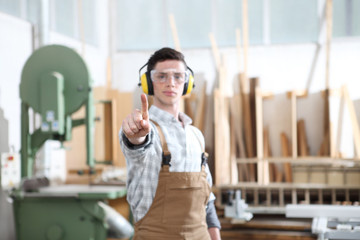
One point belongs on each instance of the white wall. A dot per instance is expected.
(15, 48)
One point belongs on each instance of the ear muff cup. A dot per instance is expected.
(146, 83)
(188, 86)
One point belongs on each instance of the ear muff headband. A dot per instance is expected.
(147, 86)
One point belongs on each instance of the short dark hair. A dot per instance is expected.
(164, 54)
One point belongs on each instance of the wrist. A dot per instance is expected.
(137, 141)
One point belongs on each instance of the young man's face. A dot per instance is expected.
(168, 78)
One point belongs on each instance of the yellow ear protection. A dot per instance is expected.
(147, 86)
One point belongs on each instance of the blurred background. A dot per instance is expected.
(304, 48)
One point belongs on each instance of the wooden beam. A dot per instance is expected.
(222, 139)
(286, 152)
(293, 125)
(215, 51)
(339, 125)
(235, 112)
(329, 25)
(238, 46)
(234, 178)
(303, 149)
(267, 154)
(174, 32)
(263, 165)
(248, 127)
(189, 102)
(199, 121)
(245, 34)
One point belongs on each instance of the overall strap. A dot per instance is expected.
(166, 155)
(204, 155)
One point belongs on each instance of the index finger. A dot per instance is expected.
(144, 107)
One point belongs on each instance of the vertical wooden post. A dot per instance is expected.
(262, 166)
(293, 125)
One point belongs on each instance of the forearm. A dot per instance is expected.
(214, 233)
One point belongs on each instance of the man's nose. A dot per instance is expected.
(170, 78)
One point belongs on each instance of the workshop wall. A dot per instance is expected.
(280, 68)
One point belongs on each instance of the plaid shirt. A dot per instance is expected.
(144, 161)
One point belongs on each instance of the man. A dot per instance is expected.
(168, 178)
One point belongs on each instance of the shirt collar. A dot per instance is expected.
(162, 117)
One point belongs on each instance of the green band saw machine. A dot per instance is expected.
(55, 82)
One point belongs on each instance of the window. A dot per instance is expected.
(66, 19)
(140, 24)
(293, 21)
(11, 7)
(346, 18)
(229, 17)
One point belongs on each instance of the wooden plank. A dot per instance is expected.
(307, 196)
(281, 197)
(320, 196)
(293, 125)
(285, 152)
(303, 149)
(215, 51)
(294, 196)
(245, 99)
(199, 121)
(256, 197)
(189, 102)
(256, 112)
(245, 28)
(238, 46)
(222, 144)
(265, 235)
(329, 26)
(325, 148)
(108, 131)
(339, 125)
(174, 32)
(267, 154)
(263, 165)
(298, 93)
(235, 112)
(268, 197)
(115, 156)
(234, 178)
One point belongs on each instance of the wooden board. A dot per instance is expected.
(302, 139)
(235, 111)
(222, 139)
(286, 153)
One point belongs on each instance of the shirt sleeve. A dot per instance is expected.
(141, 149)
(212, 219)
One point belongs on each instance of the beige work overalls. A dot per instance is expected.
(178, 208)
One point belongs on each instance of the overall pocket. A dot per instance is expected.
(184, 204)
